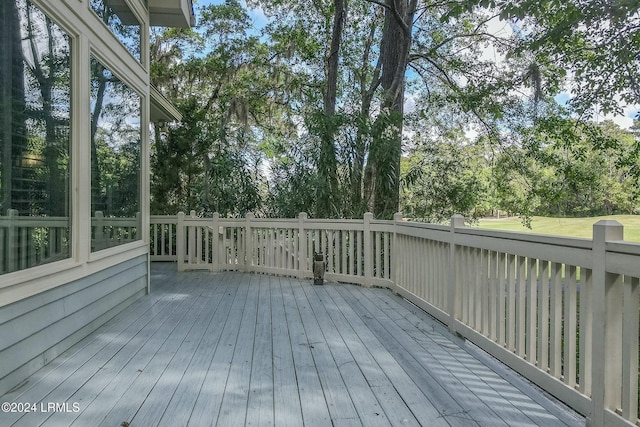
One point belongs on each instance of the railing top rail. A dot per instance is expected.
(624, 247)
(424, 226)
(382, 221)
(332, 221)
(572, 242)
(34, 221)
(163, 217)
(272, 222)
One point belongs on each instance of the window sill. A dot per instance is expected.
(22, 284)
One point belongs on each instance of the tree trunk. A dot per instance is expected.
(358, 204)
(327, 165)
(97, 199)
(386, 144)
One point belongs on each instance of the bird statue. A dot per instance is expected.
(319, 268)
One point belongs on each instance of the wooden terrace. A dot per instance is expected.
(234, 348)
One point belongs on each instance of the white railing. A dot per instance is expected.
(110, 231)
(561, 311)
(356, 251)
(28, 241)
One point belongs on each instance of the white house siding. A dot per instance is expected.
(34, 330)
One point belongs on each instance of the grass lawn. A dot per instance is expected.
(575, 227)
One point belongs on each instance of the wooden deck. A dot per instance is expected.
(233, 349)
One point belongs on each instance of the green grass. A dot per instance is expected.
(574, 227)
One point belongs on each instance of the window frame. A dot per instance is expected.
(140, 160)
(88, 38)
(70, 198)
(138, 9)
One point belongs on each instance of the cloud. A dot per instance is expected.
(625, 120)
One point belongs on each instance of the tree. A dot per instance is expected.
(35, 83)
(383, 175)
(445, 178)
(323, 107)
(328, 195)
(595, 44)
(567, 168)
(230, 103)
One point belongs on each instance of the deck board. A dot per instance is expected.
(391, 402)
(260, 410)
(95, 374)
(132, 399)
(286, 398)
(256, 350)
(341, 408)
(362, 397)
(236, 392)
(313, 405)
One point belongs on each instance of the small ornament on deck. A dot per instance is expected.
(319, 268)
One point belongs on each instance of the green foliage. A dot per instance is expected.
(569, 169)
(293, 183)
(595, 42)
(444, 179)
(256, 136)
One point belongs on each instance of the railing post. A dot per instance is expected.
(215, 239)
(302, 245)
(13, 233)
(248, 247)
(395, 251)
(606, 324)
(180, 241)
(457, 221)
(138, 228)
(191, 235)
(368, 249)
(98, 233)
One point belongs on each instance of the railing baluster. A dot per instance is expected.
(586, 330)
(543, 317)
(387, 257)
(467, 291)
(199, 254)
(532, 310)
(330, 250)
(501, 306)
(418, 266)
(429, 248)
(521, 295)
(511, 302)
(477, 291)
(570, 325)
(346, 246)
(484, 292)
(493, 287)
(630, 349)
(555, 367)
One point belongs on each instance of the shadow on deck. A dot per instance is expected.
(233, 349)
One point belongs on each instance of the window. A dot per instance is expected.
(122, 22)
(35, 106)
(115, 159)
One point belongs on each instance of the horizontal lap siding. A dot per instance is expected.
(35, 330)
